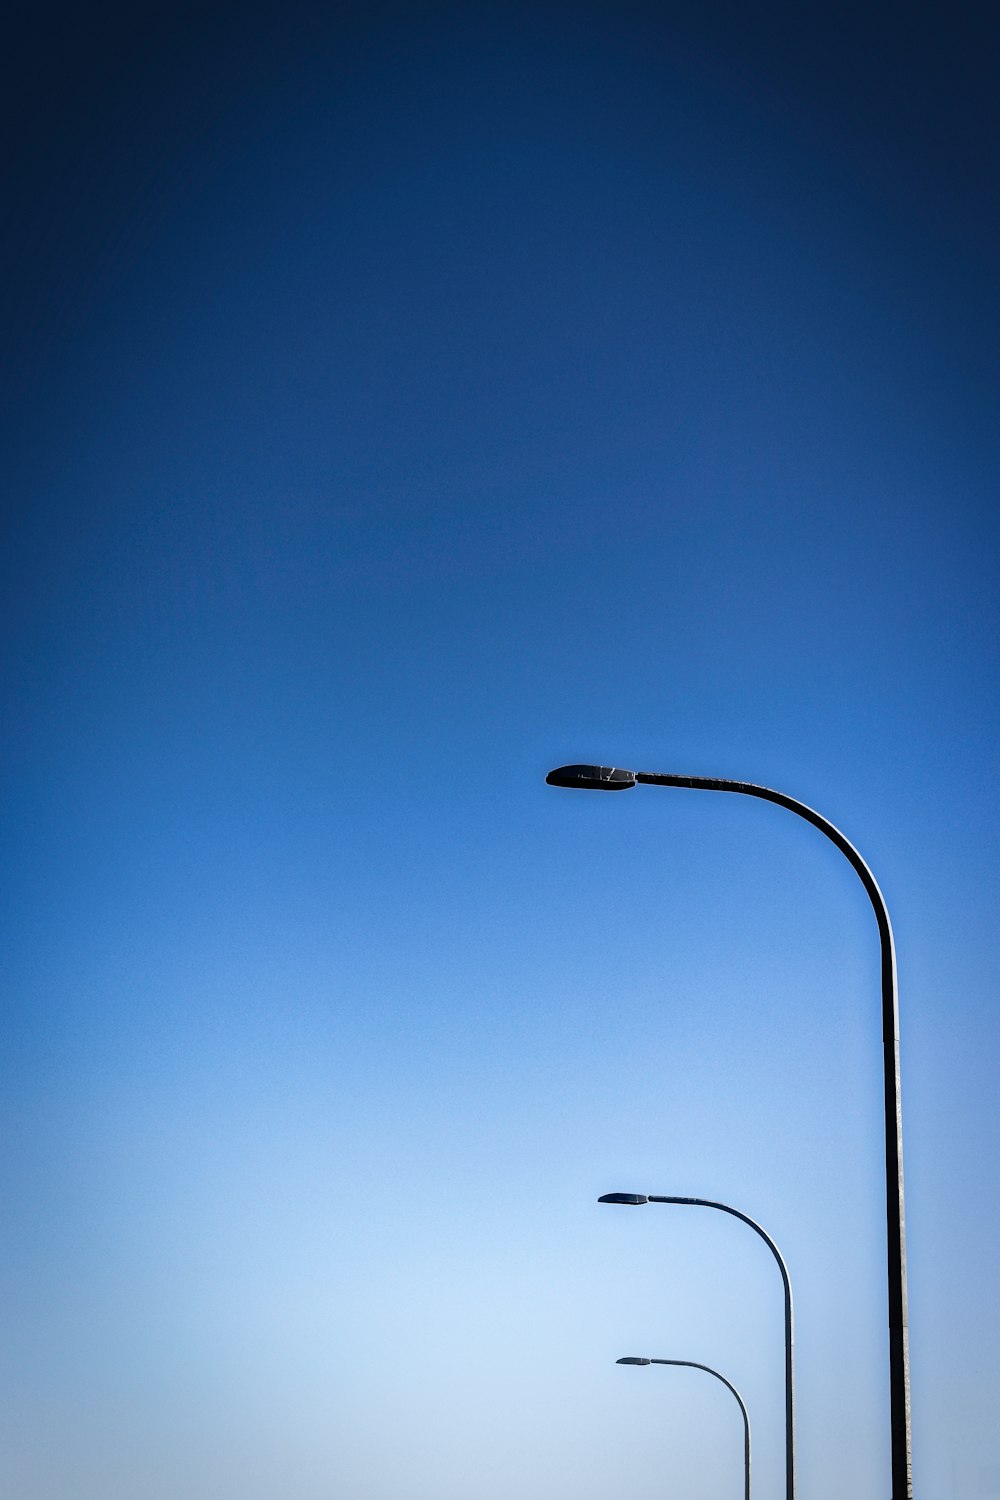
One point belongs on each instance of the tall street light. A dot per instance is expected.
(612, 779)
(635, 1199)
(691, 1364)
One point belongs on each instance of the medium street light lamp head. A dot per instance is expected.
(633, 1198)
(632, 1359)
(592, 778)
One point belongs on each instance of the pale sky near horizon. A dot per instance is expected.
(406, 400)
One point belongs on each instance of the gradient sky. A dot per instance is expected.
(405, 400)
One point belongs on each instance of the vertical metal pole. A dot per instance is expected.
(899, 1348)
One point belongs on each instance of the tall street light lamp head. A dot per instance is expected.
(592, 778)
(632, 1359)
(631, 1198)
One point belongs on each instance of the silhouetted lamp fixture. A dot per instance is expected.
(635, 1200)
(613, 778)
(692, 1364)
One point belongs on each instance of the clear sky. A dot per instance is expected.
(405, 400)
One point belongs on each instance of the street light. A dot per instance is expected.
(691, 1364)
(612, 778)
(635, 1200)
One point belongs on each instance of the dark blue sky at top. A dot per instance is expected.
(492, 250)
(403, 399)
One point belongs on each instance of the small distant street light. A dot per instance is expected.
(691, 1364)
(635, 1200)
(613, 778)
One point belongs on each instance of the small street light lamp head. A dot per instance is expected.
(633, 1198)
(592, 778)
(632, 1359)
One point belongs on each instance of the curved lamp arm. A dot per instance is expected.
(692, 1364)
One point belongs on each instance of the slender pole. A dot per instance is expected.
(899, 1352)
(789, 1331)
(691, 1364)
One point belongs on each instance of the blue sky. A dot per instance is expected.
(403, 405)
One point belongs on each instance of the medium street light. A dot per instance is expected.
(612, 779)
(634, 1200)
(691, 1364)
